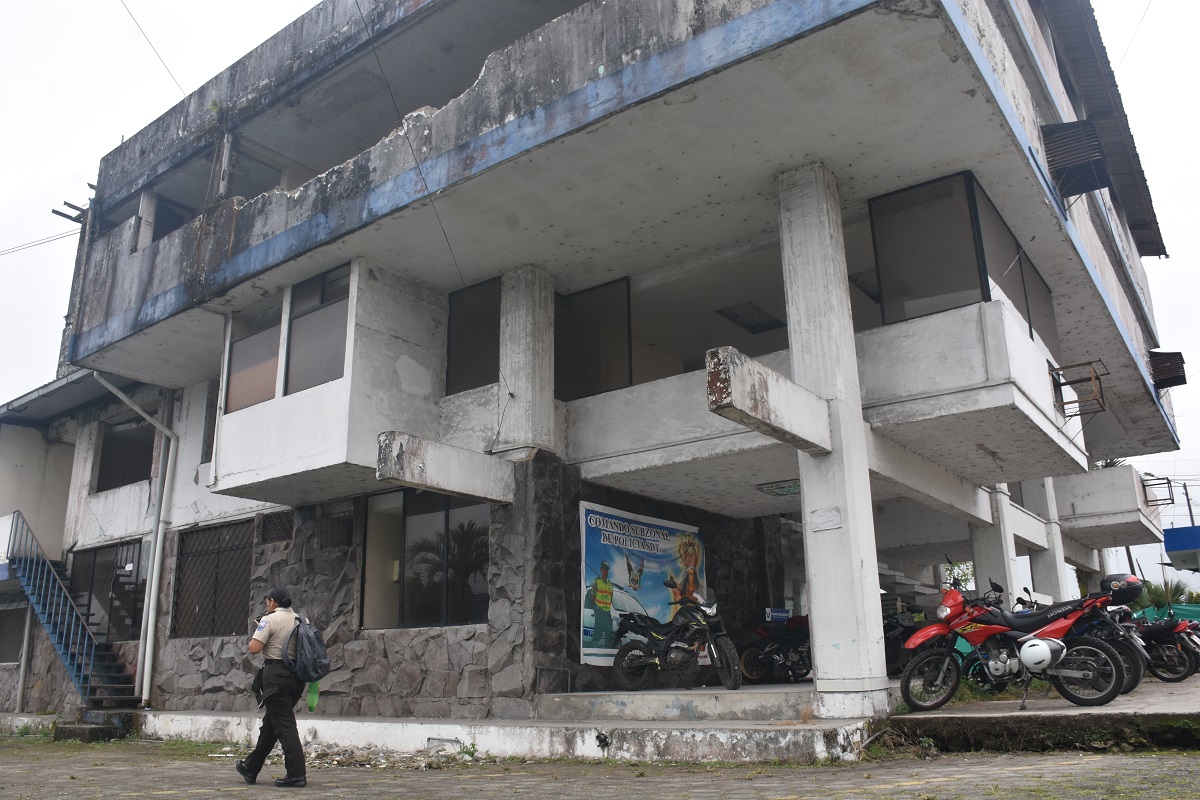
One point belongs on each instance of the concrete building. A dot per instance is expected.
(848, 287)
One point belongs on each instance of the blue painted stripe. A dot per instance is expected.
(717, 48)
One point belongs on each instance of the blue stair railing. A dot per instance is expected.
(65, 625)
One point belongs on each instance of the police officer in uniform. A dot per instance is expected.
(278, 691)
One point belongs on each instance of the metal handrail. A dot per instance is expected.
(68, 630)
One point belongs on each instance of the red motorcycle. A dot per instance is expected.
(1013, 647)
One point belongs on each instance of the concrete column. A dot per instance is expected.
(839, 529)
(1048, 566)
(526, 361)
(994, 550)
(147, 208)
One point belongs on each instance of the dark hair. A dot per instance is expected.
(280, 596)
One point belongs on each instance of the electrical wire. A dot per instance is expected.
(152, 47)
(1134, 36)
(47, 240)
(416, 161)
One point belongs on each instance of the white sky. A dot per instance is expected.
(78, 76)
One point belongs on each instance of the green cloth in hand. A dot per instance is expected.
(313, 689)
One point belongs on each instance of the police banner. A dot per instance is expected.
(626, 558)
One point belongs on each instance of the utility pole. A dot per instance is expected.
(1188, 502)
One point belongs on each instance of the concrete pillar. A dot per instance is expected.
(841, 564)
(1048, 566)
(147, 208)
(994, 550)
(526, 361)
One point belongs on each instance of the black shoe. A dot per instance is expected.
(246, 774)
(297, 781)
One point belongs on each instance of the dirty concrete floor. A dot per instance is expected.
(35, 767)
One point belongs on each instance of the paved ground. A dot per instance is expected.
(35, 767)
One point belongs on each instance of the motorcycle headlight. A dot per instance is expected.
(943, 611)
(710, 610)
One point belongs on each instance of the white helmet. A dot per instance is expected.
(1040, 654)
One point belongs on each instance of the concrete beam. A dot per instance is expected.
(1080, 555)
(929, 484)
(746, 392)
(407, 460)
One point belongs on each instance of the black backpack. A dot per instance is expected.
(312, 660)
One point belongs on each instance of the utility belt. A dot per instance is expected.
(267, 661)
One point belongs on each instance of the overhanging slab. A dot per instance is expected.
(746, 392)
(408, 460)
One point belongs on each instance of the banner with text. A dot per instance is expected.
(626, 558)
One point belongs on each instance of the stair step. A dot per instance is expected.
(85, 732)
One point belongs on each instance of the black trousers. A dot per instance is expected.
(281, 691)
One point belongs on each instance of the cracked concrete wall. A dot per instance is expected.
(123, 293)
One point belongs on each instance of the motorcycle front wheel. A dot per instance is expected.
(1104, 678)
(930, 680)
(756, 665)
(631, 665)
(725, 658)
(1169, 662)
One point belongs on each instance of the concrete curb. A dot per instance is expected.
(1041, 732)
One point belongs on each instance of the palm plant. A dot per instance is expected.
(452, 559)
(1157, 594)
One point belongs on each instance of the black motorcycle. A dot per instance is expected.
(674, 646)
(784, 644)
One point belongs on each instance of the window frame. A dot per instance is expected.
(287, 316)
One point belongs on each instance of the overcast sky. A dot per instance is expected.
(79, 75)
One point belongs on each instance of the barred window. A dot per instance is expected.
(277, 527)
(212, 581)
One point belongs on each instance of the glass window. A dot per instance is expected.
(473, 337)
(426, 560)
(254, 356)
(592, 341)
(1002, 256)
(1041, 308)
(925, 249)
(317, 336)
(423, 602)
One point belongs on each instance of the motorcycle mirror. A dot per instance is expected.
(996, 587)
(670, 583)
(1028, 593)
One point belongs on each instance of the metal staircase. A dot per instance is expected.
(95, 668)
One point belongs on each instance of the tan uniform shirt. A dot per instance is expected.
(273, 630)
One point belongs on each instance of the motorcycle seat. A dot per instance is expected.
(660, 628)
(1030, 621)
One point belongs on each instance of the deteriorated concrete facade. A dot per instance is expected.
(803, 275)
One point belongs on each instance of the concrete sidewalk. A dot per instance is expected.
(35, 767)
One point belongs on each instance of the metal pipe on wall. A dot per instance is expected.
(26, 646)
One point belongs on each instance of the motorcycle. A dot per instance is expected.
(785, 645)
(1173, 656)
(1014, 647)
(674, 646)
(898, 628)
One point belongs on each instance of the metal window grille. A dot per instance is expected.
(277, 527)
(335, 524)
(212, 582)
